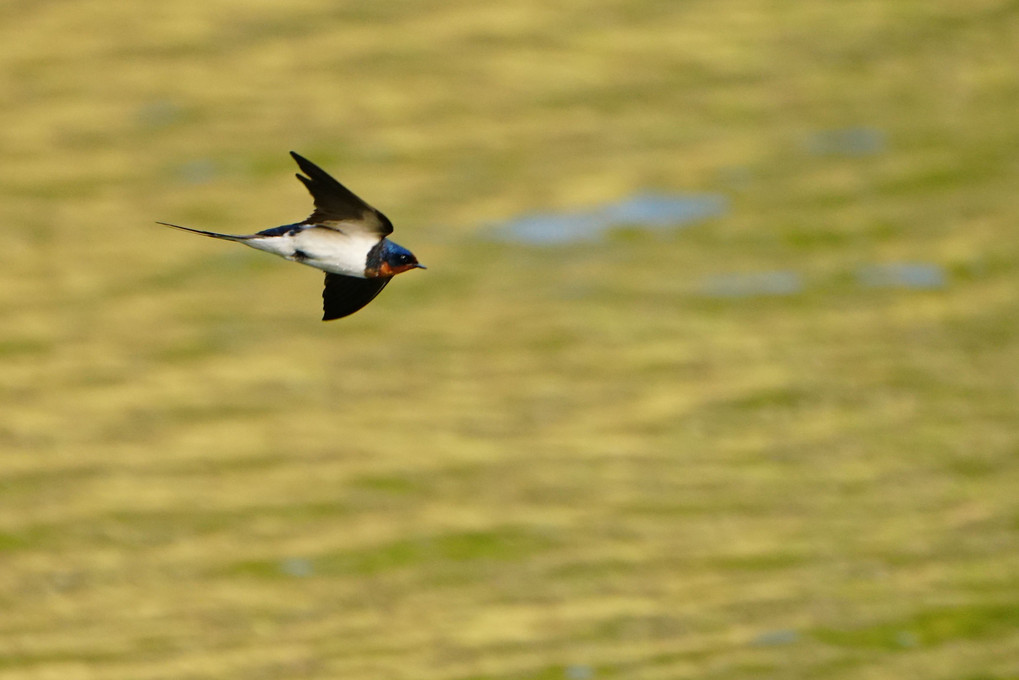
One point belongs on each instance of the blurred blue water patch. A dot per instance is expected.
(647, 211)
(197, 171)
(850, 141)
(159, 113)
(297, 567)
(907, 639)
(774, 638)
(915, 275)
(752, 284)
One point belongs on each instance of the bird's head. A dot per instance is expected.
(397, 259)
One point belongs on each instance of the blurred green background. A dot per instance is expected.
(780, 442)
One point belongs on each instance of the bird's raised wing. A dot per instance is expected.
(344, 295)
(337, 207)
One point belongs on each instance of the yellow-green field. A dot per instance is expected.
(574, 462)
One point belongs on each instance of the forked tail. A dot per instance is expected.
(211, 234)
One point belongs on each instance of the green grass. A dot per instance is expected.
(523, 462)
(932, 627)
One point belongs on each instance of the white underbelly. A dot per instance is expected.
(326, 249)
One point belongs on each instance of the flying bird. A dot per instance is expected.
(344, 237)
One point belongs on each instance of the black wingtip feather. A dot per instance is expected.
(310, 169)
(336, 203)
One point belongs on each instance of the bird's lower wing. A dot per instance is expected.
(344, 295)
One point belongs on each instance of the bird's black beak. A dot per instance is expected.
(418, 265)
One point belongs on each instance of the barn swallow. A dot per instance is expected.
(344, 237)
